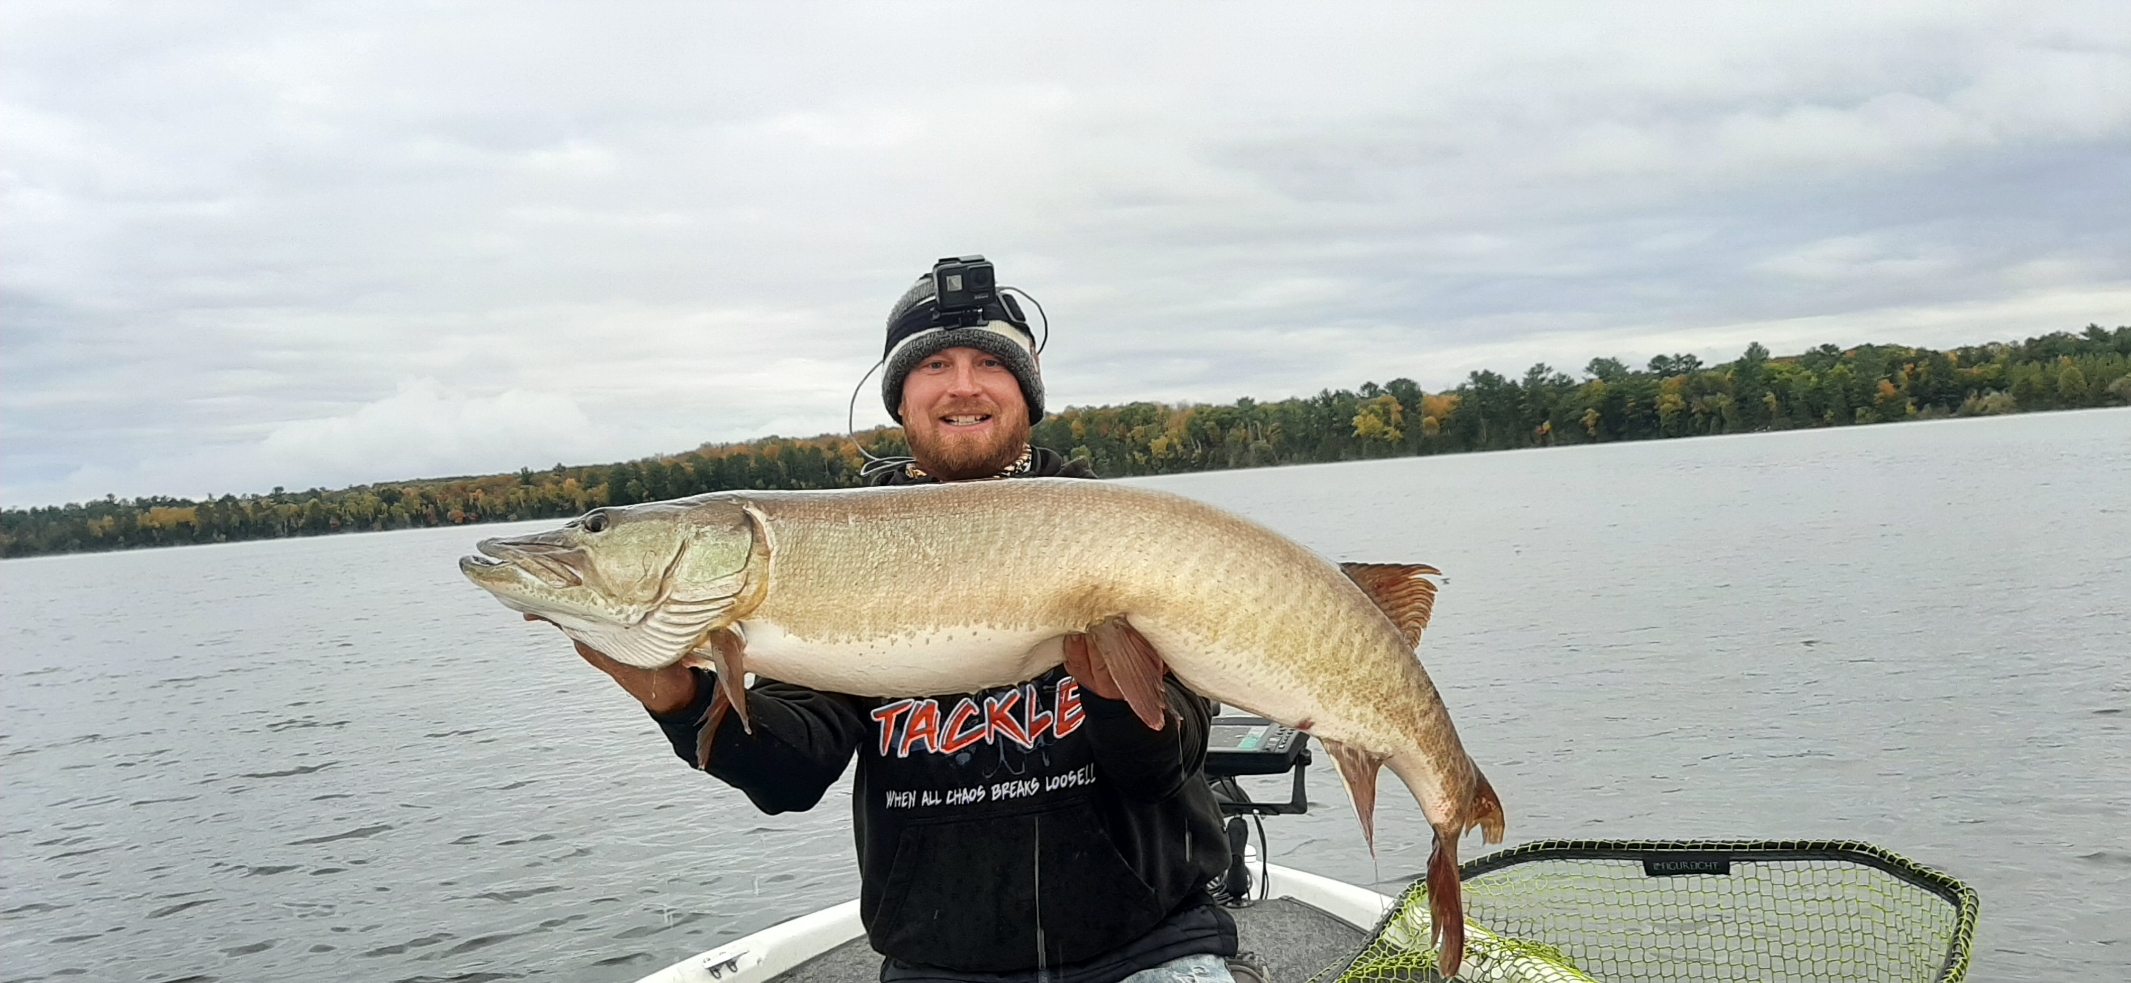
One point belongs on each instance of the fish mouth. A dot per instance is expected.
(546, 562)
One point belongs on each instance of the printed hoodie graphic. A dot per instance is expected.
(1001, 746)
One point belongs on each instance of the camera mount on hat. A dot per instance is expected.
(965, 294)
(963, 285)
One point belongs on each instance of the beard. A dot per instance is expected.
(950, 456)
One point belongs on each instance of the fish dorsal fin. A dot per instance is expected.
(1402, 590)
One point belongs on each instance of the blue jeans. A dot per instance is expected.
(1187, 969)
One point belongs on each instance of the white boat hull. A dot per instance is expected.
(762, 956)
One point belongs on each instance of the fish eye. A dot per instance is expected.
(594, 522)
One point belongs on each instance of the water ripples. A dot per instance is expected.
(332, 758)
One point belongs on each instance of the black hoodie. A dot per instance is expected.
(1025, 829)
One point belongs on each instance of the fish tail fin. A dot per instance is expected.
(1446, 900)
(1446, 903)
(1357, 771)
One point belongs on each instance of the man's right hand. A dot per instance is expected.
(661, 691)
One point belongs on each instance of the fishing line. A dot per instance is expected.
(1376, 874)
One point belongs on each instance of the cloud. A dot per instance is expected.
(685, 223)
(2054, 94)
(1856, 257)
(420, 430)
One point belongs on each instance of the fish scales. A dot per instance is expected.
(917, 591)
(1210, 590)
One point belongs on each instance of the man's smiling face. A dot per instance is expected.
(964, 415)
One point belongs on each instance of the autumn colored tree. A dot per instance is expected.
(1673, 396)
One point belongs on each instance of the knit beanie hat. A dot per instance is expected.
(913, 338)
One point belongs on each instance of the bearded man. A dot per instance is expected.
(1034, 831)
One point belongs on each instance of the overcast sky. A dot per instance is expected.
(248, 245)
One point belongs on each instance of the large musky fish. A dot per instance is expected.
(916, 591)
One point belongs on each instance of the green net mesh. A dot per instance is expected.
(1611, 911)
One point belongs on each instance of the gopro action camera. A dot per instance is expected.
(964, 285)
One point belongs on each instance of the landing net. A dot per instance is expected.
(1616, 911)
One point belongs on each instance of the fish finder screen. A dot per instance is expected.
(1237, 737)
(1239, 745)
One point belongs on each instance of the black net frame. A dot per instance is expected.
(1673, 866)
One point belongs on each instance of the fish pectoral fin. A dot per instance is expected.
(1401, 590)
(707, 731)
(1131, 661)
(728, 659)
(1357, 771)
(729, 654)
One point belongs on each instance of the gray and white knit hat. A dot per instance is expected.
(912, 338)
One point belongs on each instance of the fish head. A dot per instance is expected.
(641, 584)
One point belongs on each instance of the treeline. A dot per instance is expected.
(1672, 396)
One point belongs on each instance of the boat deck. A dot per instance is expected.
(1294, 940)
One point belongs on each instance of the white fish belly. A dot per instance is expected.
(960, 659)
(1246, 680)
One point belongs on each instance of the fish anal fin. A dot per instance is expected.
(729, 654)
(1133, 664)
(1486, 810)
(1357, 771)
(1446, 904)
(1401, 590)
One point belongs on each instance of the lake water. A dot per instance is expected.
(335, 759)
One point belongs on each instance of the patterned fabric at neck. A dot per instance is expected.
(1019, 467)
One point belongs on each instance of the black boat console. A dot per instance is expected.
(1239, 745)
